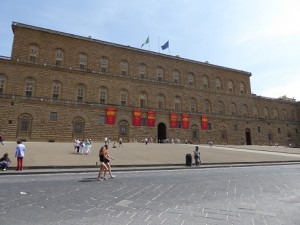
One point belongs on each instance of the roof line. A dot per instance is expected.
(124, 46)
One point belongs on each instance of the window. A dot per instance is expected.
(275, 114)
(144, 120)
(258, 129)
(124, 68)
(59, 57)
(284, 115)
(233, 109)
(245, 110)
(53, 116)
(143, 71)
(207, 106)
(160, 74)
(124, 98)
(191, 79)
(80, 93)
(104, 64)
(266, 112)
(205, 82)
(179, 122)
(278, 130)
(221, 108)
(56, 90)
(2, 83)
(29, 87)
(209, 127)
(161, 101)
(177, 104)
(242, 88)
(176, 77)
(193, 105)
(25, 123)
(218, 84)
(143, 100)
(78, 126)
(102, 94)
(230, 86)
(33, 52)
(82, 61)
(255, 112)
(102, 119)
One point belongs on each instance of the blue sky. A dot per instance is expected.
(257, 36)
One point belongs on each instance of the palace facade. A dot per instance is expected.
(58, 86)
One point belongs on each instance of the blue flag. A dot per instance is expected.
(166, 45)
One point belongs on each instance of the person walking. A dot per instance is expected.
(107, 159)
(120, 142)
(1, 139)
(103, 166)
(20, 153)
(4, 162)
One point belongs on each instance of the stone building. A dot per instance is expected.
(58, 86)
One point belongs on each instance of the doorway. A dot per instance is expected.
(248, 136)
(161, 132)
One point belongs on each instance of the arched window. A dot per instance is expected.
(266, 113)
(233, 109)
(56, 90)
(24, 124)
(124, 68)
(207, 106)
(193, 105)
(255, 112)
(2, 84)
(160, 74)
(33, 53)
(29, 87)
(176, 77)
(124, 98)
(242, 88)
(59, 56)
(218, 84)
(143, 100)
(245, 110)
(161, 101)
(104, 64)
(103, 95)
(80, 93)
(177, 104)
(275, 114)
(143, 71)
(221, 108)
(82, 61)
(230, 86)
(205, 82)
(191, 79)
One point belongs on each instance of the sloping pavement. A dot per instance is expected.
(44, 157)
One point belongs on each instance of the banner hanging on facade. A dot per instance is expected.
(173, 120)
(136, 117)
(110, 115)
(204, 122)
(185, 121)
(151, 119)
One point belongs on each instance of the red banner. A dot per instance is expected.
(185, 121)
(173, 120)
(204, 122)
(151, 119)
(136, 117)
(110, 115)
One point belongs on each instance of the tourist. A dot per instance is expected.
(20, 154)
(4, 162)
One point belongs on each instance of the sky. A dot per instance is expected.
(258, 36)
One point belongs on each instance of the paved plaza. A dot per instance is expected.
(45, 155)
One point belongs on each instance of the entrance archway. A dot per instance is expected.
(161, 132)
(248, 136)
(123, 130)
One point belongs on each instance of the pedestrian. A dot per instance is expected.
(4, 162)
(20, 153)
(107, 159)
(77, 143)
(1, 139)
(103, 166)
(88, 146)
(197, 156)
(146, 141)
(120, 142)
(106, 142)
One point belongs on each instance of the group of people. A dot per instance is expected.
(104, 158)
(82, 146)
(20, 153)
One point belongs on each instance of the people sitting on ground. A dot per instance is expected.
(4, 162)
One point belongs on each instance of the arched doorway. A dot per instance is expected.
(78, 128)
(248, 136)
(195, 134)
(123, 130)
(161, 132)
(24, 127)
